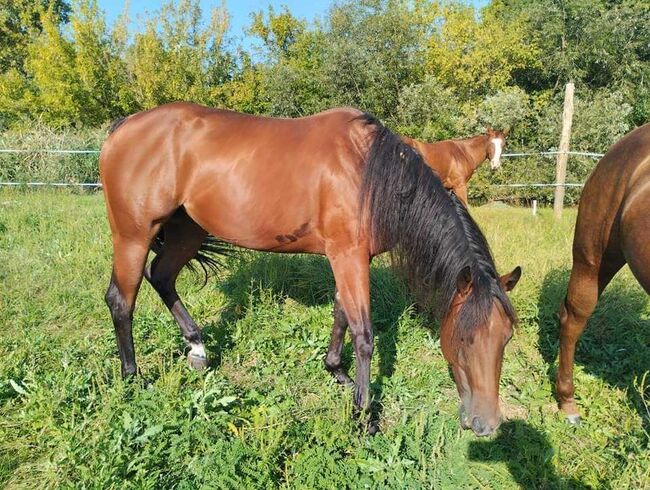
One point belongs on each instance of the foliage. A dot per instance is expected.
(479, 56)
(431, 70)
(20, 20)
(429, 111)
(267, 414)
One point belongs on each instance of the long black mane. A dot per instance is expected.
(429, 231)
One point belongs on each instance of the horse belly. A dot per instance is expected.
(274, 210)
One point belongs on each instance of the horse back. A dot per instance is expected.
(233, 172)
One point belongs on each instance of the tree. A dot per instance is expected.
(20, 20)
(177, 57)
(478, 56)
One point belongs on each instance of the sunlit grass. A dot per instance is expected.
(267, 414)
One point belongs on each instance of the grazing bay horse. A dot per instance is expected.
(612, 229)
(455, 161)
(178, 177)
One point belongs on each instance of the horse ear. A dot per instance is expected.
(506, 131)
(464, 281)
(509, 281)
(488, 129)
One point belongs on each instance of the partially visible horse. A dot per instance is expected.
(337, 183)
(455, 161)
(612, 229)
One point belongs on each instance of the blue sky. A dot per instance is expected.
(239, 10)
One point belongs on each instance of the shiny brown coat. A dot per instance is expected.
(612, 229)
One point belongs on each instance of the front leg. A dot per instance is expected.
(333, 359)
(351, 269)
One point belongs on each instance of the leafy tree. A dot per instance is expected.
(278, 32)
(20, 21)
(478, 56)
(176, 57)
(429, 111)
(592, 42)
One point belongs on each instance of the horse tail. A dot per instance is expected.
(210, 256)
(116, 124)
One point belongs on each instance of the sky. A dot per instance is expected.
(239, 10)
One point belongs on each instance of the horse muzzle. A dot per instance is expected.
(479, 425)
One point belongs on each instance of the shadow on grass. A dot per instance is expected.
(613, 346)
(527, 453)
(308, 280)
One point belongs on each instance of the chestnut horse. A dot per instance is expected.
(455, 161)
(612, 229)
(337, 183)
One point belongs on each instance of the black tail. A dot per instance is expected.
(116, 124)
(430, 233)
(210, 257)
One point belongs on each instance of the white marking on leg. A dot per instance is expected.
(197, 350)
(496, 158)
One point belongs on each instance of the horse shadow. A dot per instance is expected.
(612, 346)
(308, 280)
(527, 453)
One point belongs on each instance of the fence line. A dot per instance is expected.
(52, 184)
(98, 184)
(505, 155)
(551, 153)
(538, 185)
(7, 150)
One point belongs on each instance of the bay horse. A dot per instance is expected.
(612, 229)
(337, 183)
(455, 161)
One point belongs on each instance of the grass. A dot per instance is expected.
(267, 414)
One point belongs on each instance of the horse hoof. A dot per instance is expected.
(197, 362)
(373, 428)
(574, 419)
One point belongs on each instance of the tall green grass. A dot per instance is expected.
(50, 167)
(266, 414)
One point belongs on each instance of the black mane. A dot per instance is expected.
(429, 231)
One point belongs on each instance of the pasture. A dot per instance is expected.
(267, 414)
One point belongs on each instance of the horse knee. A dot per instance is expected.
(364, 344)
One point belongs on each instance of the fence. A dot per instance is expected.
(95, 185)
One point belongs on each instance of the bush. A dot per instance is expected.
(49, 167)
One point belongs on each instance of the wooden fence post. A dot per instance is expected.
(560, 169)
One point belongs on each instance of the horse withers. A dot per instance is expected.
(455, 161)
(338, 184)
(612, 229)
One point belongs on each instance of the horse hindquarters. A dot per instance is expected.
(134, 224)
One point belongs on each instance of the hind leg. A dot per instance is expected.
(129, 256)
(183, 238)
(585, 287)
(333, 358)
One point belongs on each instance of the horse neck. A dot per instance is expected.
(476, 149)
